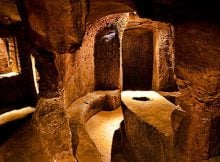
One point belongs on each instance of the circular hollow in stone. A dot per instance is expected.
(141, 98)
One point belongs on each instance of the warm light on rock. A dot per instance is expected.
(111, 80)
(15, 115)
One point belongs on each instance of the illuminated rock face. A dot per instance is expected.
(79, 112)
(148, 132)
(81, 75)
(56, 26)
(53, 130)
(63, 79)
(75, 56)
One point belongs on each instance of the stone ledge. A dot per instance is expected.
(88, 105)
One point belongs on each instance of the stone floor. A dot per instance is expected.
(101, 128)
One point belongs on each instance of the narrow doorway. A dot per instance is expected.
(137, 59)
(107, 59)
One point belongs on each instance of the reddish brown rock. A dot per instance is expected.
(91, 60)
(52, 127)
(50, 82)
(163, 78)
(198, 76)
(113, 100)
(56, 26)
(79, 112)
(171, 96)
(107, 73)
(80, 77)
(9, 12)
(137, 58)
(147, 126)
(154, 66)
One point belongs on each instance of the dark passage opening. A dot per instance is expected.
(137, 59)
(107, 59)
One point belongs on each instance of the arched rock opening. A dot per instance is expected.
(107, 59)
(137, 59)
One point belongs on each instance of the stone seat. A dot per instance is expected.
(79, 112)
(147, 126)
(88, 105)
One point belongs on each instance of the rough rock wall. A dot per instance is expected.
(198, 78)
(137, 59)
(54, 25)
(79, 74)
(9, 13)
(63, 79)
(163, 74)
(51, 125)
(49, 120)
